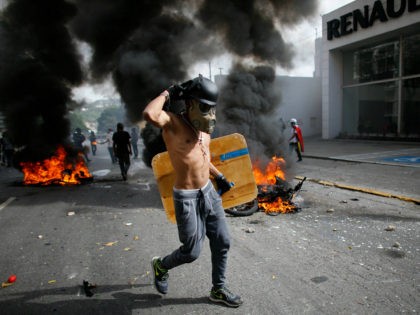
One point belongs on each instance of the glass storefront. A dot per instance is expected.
(371, 110)
(410, 104)
(381, 93)
(411, 55)
(372, 64)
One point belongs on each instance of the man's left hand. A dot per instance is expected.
(223, 185)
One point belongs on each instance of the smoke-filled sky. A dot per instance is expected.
(50, 47)
(304, 32)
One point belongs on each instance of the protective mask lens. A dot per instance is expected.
(204, 108)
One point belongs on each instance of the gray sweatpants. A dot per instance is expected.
(199, 212)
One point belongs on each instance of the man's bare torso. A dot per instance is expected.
(189, 153)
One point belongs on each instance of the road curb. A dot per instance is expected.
(361, 189)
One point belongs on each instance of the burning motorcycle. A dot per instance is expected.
(272, 199)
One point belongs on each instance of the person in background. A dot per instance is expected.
(92, 139)
(198, 207)
(7, 148)
(78, 139)
(122, 149)
(134, 139)
(108, 141)
(296, 139)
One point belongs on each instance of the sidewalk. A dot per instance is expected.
(389, 169)
(364, 151)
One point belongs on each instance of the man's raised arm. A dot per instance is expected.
(154, 112)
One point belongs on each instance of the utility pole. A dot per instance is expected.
(210, 70)
(220, 69)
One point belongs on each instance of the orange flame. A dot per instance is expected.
(276, 206)
(55, 170)
(273, 169)
(268, 177)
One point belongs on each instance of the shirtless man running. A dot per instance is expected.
(198, 207)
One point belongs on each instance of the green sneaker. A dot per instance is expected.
(160, 275)
(223, 295)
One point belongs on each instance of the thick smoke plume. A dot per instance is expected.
(38, 67)
(247, 105)
(146, 46)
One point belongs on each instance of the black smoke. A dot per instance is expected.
(39, 65)
(247, 105)
(145, 46)
(248, 99)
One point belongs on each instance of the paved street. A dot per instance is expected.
(346, 252)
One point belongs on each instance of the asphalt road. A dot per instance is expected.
(346, 252)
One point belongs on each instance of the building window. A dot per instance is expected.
(410, 111)
(371, 110)
(374, 63)
(378, 99)
(411, 55)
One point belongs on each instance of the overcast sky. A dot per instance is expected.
(305, 34)
(302, 36)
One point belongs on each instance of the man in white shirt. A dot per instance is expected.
(109, 143)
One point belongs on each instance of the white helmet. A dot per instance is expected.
(293, 121)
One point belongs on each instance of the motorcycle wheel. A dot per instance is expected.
(244, 210)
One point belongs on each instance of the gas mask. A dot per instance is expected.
(202, 116)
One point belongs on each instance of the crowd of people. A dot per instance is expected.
(120, 144)
(7, 148)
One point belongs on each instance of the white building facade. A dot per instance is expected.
(300, 99)
(371, 70)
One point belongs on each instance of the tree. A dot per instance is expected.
(109, 118)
